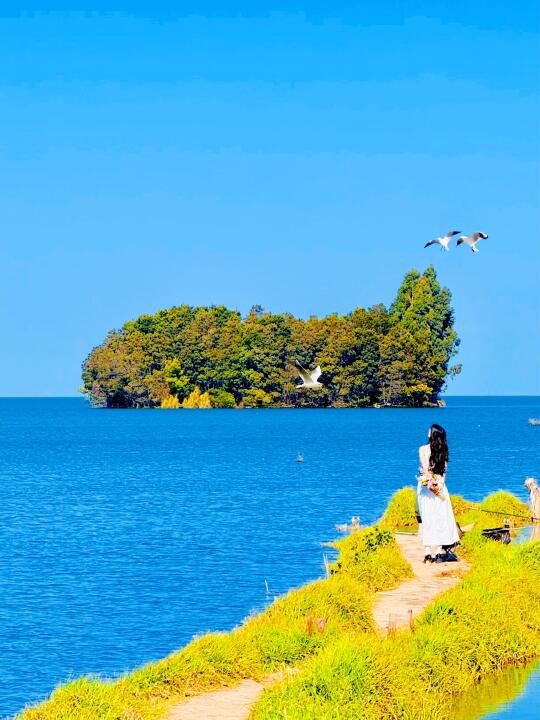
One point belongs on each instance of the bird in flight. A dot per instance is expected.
(472, 240)
(309, 377)
(443, 241)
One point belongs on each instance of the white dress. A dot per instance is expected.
(438, 525)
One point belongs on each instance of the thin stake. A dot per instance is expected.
(326, 565)
(411, 624)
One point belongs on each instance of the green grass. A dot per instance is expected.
(488, 515)
(372, 557)
(489, 621)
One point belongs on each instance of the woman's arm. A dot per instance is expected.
(443, 477)
(424, 460)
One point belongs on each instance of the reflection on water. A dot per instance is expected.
(529, 532)
(511, 695)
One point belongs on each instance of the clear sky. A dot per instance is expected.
(295, 155)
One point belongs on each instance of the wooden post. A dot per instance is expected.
(411, 623)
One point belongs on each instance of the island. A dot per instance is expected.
(211, 357)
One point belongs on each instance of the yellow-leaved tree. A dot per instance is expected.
(170, 402)
(196, 399)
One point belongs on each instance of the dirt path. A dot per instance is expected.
(228, 704)
(395, 608)
(392, 610)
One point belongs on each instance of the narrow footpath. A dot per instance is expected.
(393, 609)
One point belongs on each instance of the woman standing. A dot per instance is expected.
(434, 505)
(532, 486)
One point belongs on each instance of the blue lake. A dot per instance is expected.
(125, 533)
(513, 694)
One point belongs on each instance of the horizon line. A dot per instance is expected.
(81, 397)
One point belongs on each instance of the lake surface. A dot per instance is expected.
(125, 533)
(513, 694)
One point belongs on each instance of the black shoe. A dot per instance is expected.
(440, 558)
(451, 556)
(428, 559)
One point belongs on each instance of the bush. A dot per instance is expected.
(196, 399)
(170, 402)
(222, 399)
(401, 511)
(257, 398)
(372, 556)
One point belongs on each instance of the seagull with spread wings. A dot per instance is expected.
(443, 241)
(472, 240)
(310, 378)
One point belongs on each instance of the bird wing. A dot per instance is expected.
(316, 374)
(451, 233)
(301, 370)
(476, 236)
(431, 242)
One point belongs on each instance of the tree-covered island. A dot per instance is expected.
(211, 357)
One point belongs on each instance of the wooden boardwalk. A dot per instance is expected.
(393, 609)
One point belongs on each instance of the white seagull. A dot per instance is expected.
(443, 241)
(309, 377)
(472, 240)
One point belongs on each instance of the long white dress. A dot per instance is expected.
(438, 525)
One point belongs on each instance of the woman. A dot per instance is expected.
(434, 506)
(534, 503)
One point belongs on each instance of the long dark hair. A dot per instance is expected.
(439, 449)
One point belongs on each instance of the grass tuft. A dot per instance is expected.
(372, 556)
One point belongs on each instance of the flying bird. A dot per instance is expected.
(472, 240)
(309, 377)
(443, 241)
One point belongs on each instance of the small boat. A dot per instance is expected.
(534, 421)
(299, 458)
(500, 534)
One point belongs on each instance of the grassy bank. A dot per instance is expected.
(326, 629)
(488, 622)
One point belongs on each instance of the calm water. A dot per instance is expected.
(511, 695)
(124, 533)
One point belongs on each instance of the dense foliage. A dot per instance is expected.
(211, 357)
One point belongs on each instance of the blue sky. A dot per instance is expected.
(292, 155)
